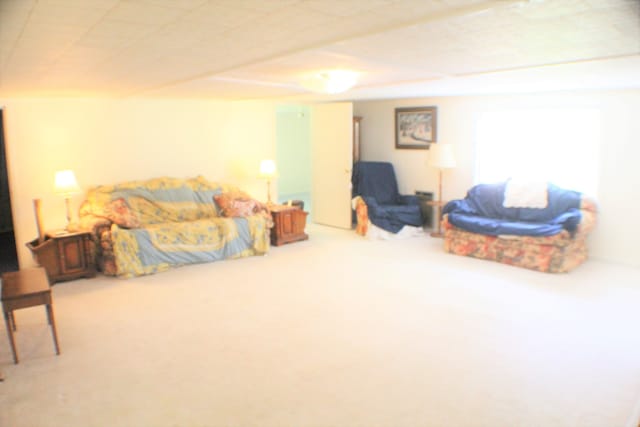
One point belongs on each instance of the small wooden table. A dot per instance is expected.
(22, 289)
(65, 255)
(288, 224)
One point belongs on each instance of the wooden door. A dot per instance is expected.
(331, 160)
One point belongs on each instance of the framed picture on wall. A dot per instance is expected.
(416, 127)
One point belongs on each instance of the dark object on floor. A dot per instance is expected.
(8, 255)
(425, 197)
(22, 289)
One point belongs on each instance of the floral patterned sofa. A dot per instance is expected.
(144, 227)
(550, 237)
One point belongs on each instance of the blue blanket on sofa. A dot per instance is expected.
(482, 212)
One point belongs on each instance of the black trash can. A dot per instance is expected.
(427, 211)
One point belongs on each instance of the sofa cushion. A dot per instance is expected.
(554, 254)
(497, 227)
(158, 247)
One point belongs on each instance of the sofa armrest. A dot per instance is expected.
(459, 206)
(587, 223)
(105, 258)
(588, 203)
(589, 211)
(100, 229)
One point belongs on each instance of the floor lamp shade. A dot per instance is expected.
(441, 156)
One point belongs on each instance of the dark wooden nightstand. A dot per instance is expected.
(288, 224)
(65, 255)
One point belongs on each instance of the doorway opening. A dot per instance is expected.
(293, 154)
(8, 253)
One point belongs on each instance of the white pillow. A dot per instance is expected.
(525, 194)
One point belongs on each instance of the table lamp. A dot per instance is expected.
(66, 185)
(268, 172)
(441, 156)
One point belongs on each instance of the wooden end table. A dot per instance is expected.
(288, 224)
(65, 255)
(22, 289)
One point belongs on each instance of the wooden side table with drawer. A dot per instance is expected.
(65, 255)
(288, 224)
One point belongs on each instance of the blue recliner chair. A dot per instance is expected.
(375, 183)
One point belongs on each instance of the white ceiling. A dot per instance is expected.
(240, 49)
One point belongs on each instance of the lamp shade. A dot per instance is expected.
(442, 156)
(66, 183)
(267, 168)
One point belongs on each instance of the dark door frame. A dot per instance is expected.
(7, 231)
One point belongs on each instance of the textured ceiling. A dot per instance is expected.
(238, 49)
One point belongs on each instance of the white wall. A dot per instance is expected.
(616, 236)
(110, 141)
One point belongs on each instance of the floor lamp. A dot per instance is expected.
(441, 156)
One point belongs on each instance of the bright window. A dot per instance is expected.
(555, 145)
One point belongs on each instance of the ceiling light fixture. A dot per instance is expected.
(331, 81)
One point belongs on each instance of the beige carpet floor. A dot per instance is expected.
(335, 331)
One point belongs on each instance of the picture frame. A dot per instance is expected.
(416, 127)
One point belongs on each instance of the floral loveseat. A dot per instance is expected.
(144, 227)
(548, 235)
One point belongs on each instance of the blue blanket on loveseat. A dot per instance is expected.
(482, 212)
